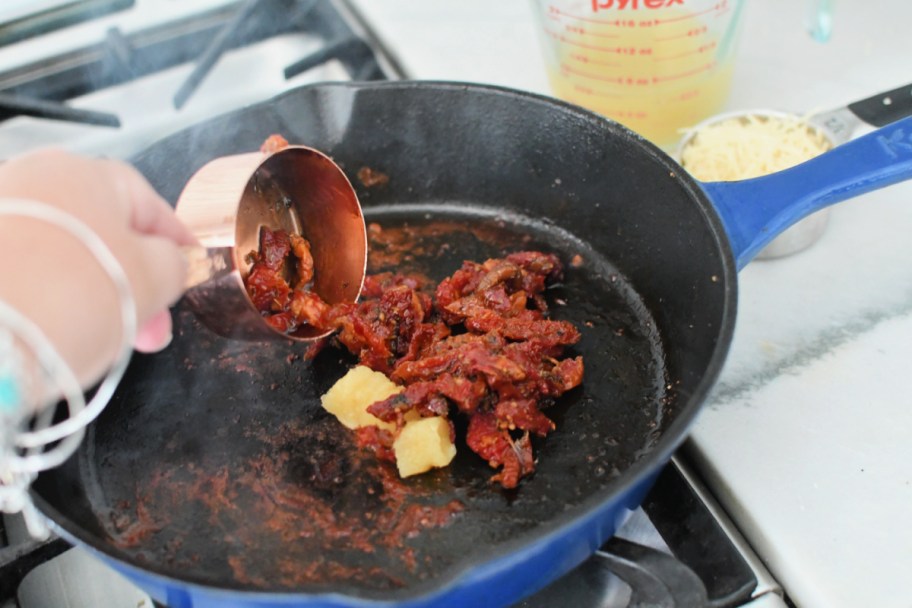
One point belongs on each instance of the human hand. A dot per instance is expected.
(50, 277)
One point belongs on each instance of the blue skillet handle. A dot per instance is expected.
(755, 211)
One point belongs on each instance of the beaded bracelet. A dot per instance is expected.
(26, 449)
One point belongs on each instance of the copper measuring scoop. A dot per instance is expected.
(227, 203)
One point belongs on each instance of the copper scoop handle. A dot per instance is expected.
(205, 263)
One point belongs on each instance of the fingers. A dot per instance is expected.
(105, 194)
(155, 334)
(117, 203)
(161, 284)
(150, 213)
(61, 179)
(157, 270)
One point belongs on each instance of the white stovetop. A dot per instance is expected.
(807, 439)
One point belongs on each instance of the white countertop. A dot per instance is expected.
(806, 439)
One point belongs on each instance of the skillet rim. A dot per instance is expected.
(584, 515)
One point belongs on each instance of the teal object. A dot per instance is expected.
(821, 27)
(726, 45)
(10, 395)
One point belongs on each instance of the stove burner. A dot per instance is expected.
(17, 105)
(215, 49)
(41, 88)
(23, 23)
(344, 49)
(18, 560)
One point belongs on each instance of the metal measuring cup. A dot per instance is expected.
(227, 203)
(836, 126)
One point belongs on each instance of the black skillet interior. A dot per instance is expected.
(215, 464)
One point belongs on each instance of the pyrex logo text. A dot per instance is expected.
(633, 4)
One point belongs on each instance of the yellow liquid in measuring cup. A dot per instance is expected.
(655, 75)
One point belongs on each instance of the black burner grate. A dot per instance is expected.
(66, 14)
(17, 560)
(42, 88)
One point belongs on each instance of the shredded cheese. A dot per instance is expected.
(750, 146)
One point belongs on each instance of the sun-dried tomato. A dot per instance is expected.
(279, 258)
(483, 346)
(273, 144)
(480, 343)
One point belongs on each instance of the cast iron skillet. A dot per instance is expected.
(214, 478)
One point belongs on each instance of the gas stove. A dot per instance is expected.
(114, 83)
(109, 77)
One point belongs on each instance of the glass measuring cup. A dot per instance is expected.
(656, 66)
